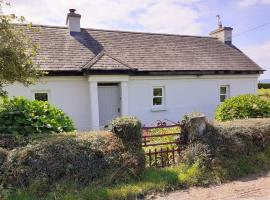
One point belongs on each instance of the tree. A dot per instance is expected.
(17, 51)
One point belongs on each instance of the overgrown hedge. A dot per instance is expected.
(23, 117)
(128, 129)
(232, 149)
(41, 163)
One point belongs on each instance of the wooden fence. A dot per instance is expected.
(161, 154)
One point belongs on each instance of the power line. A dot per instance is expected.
(252, 29)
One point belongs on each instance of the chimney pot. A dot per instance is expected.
(72, 10)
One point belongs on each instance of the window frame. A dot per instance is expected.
(162, 105)
(34, 92)
(226, 94)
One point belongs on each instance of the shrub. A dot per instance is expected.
(241, 107)
(239, 136)
(128, 129)
(79, 158)
(21, 116)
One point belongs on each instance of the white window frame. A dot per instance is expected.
(162, 105)
(227, 94)
(40, 91)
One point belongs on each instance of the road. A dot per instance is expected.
(254, 187)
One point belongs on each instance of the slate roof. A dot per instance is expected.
(98, 50)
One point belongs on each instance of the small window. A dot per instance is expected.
(41, 96)
(158, 96)
(224, 92)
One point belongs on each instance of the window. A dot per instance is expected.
(158, 96)
(41, 96)
(224, 92)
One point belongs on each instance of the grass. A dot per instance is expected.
(264, 93)
(166, 179)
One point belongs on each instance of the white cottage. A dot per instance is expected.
(97, 75)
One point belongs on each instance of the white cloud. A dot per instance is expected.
(246, 3)
(173, 16)
(261, 55)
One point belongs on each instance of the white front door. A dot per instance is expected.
(109, 103)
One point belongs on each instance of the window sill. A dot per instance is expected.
(157, 109)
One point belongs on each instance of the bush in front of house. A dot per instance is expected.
(128, 129)
(231, 149)
(80, 158)
(22, 117)
(242, 107)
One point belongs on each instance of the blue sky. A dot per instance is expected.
(193, 17)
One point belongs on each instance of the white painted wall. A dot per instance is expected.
(183, 94)
(71, 94)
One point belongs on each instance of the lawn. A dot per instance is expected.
(264, 93)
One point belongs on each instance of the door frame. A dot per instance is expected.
(93, 81)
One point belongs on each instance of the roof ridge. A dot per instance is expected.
(119, 31)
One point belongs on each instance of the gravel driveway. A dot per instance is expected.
(254, 187)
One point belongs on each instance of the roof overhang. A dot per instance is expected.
(153, 73)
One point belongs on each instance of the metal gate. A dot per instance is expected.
(161, 143)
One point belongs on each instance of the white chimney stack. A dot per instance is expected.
(224, 34)
(73, 21)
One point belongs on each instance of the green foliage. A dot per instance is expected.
(17, 51)
(242, 107)
(264, 93)
(129, 130)
(161, 180)
(21, 116)
(227, 151)
(81, 158)
(264, 85)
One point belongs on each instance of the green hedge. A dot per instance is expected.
(21, 116)
(128, 129)
(80, 158)
(242, 107)
(264, 85)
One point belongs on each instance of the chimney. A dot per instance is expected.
(224, 34)
(73, 21)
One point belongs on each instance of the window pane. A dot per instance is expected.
(223, 90)
(157, 92)
(157, 101)
(222, 97)
(41, 96)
